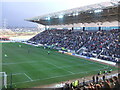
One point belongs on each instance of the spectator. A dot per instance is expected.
(103, 77)
(117, 84)
(100, 44)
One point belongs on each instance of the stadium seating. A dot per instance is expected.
(102, 44)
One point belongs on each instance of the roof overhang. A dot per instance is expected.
(106, 11)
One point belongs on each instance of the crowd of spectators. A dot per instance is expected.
(99, 44)
(112, 83)
(4, 39)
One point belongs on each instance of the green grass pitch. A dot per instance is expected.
(31, 66)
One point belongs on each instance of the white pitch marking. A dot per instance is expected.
(17, 73)
(56, 76)
(21, 62)
(28, 77)
(59, 67)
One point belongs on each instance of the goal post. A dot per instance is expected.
(3, 80)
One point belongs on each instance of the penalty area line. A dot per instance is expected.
(28, 77)
(57, 76)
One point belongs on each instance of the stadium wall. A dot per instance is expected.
(95, 59)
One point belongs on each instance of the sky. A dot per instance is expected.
(13, 12)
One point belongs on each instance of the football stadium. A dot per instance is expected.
(77, 50)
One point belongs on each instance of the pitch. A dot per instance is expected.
(32, 66)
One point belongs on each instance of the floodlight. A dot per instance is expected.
(98, 11)
(90, 11)
(48, 18)
(75, 14)
(61, 16)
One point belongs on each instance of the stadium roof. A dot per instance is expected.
(106, 11)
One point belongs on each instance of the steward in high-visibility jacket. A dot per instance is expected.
(73, 84)
(100, 72)
(76, 83)
(110, 70)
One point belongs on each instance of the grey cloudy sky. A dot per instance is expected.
(14, 11)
